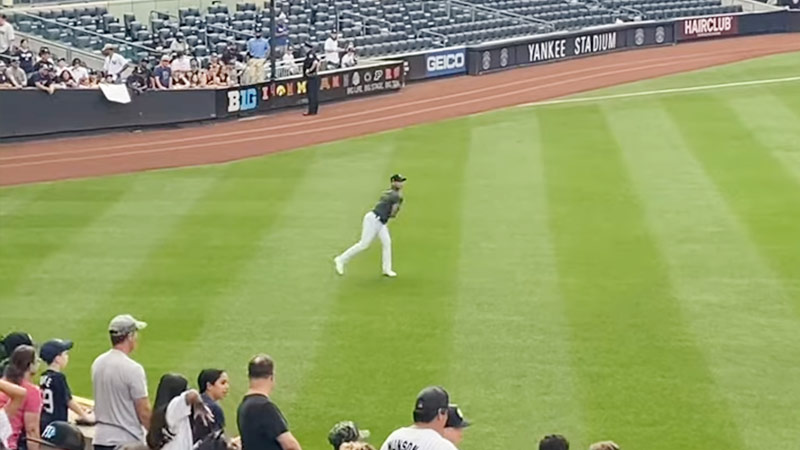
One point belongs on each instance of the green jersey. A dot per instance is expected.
(384, 207)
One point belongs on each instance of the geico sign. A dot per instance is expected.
(447, 61)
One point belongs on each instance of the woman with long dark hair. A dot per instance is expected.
(214, 386)
(170, 425)
(25, 420)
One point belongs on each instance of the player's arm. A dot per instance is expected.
(288, 441)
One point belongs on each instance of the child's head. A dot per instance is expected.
(56, 353)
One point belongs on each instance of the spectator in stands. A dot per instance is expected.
(12, 397)
(139, 80)
(121, 404)
(332, 51)
(114, 64)
(454, 428)
(45, 59)
(281, 35)
(257, 52)
(261, 424)
(180, 80)
(170, 426)
(79, 71)
(604, 445)
(287, 66)
(25, 56)
(7, 36)
(554, 442)
(181, 63)
(430, 418)
(25, 422)
(178, 45)
(213, 385)
(197, 77)
(162, 75)
(231, 52)
(43, 80)
(92, 82)
(345, 432)
(349, 58)
(56, 394)
(212, 72)
(61, 65)
(15, 74)
(4, 81)
(65, 80)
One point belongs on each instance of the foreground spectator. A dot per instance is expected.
(79, 72)
(554, 442)
(25, 55)
(454, 428)
(261, 424)
(604, 445)
(213, 385)
(257, 50)
(43, 80)
(21, 367)
(11, 398)
(139, 80)
(349, 58)
(346, 432)
(170, 426)
(332, 51)
(4, 81)
(162, 74)
(7, 36)
(56, 394)
(62, 436)
(10, 343)
(121, 405)
(430, 418)
(65, 80)
(114, 64)
(16, 76)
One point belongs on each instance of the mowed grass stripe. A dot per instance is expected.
(46, 223)
(388, 338)
(280, 302)
(511, 335)
(618, 298)
(719, 277)
(763, 193)
(178, 286)
(82, 274)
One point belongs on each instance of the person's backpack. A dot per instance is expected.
(216, 440)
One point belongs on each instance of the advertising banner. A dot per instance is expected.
(707, 27)
(555, 47)
(335, 85)
(446, 62)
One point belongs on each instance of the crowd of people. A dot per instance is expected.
(182, 417)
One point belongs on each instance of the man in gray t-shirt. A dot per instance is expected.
(121, 404)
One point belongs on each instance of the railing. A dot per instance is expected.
(365, 19)
(499, 12)
(632, 10)
(443, 39)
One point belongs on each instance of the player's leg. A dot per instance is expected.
(386, 251)
(369, 229)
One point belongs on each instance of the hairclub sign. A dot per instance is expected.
(707, 27)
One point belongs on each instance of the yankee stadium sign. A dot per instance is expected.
(702, 27)
(572, 46)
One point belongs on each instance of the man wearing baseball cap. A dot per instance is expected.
(430, 418)
(61, 435)
(121, 404)
(53, 383)
(454, 428)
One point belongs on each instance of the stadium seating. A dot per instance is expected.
(375, 27)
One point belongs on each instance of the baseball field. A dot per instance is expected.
(621, 267)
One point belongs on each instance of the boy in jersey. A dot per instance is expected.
(375, 224)
(56, 395)
(430, 419)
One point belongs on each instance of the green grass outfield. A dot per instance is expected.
(625, 269)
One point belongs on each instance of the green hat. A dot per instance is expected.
(346, 431)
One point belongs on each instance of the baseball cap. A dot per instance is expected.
(346, 431)
(455, 418)
(125, 324)
(165, 58)
(62, 435)
(431, 400)
(14, 340)
(51, 349)
(398, 177)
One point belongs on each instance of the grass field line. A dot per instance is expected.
(201, 136)
(706, 87)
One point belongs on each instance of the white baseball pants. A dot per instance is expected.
(371, 227)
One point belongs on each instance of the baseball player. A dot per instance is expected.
(375, 224)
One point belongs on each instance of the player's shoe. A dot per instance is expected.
(390, 274)
(339, 265)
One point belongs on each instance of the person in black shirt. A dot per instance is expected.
(43, 80)
(56, 395)
(25, 56)
(261, 424)
(139, 79)
(45, 59)
(213, 385)
(311, 72)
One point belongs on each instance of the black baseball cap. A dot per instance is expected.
(398, 177)
(51, 349)
(62, 435)
(14, 340)
(346, 431)
(455, 418)
(431, 400)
